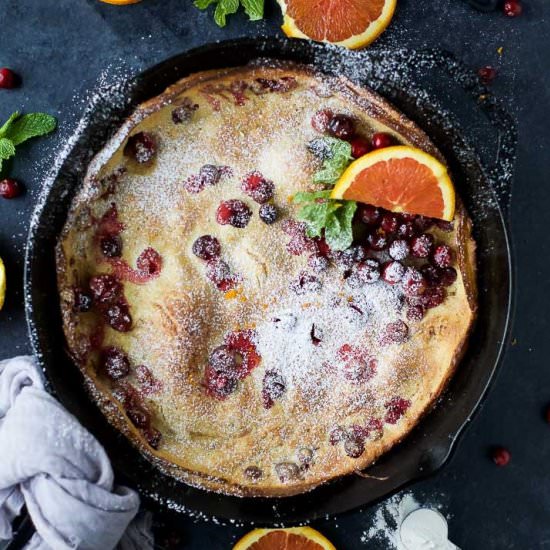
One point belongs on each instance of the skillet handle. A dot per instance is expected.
(23, 531)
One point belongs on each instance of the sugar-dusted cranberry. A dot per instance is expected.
(413, 282)
(142, 147)
(253, 473)
(422, 223)
(341, 127)
(218, 271)
(114, 363)
(118, 316)
(8, 79)
(442, 256)
(390, 222)
(138, 416)
(287, 471)
(233, 212)
(366, 272)
(10, 188)
(432, 274)
(486, 74)
(111, 246)
(209, 174)
(273, 388)
(406, 230)
(392, 272)
(359, 366)
(433, 297)
(184, 112)
(512, 8)
(381, 140)
(82, 300)
(336, 435)
(358, 252)
(217, 384)
(299, 242)
(444, 225)
(500, 456)
(359, 147)
(206, 247)
(369, 215)
(149, 262)
(305, 283)
(395, 333)
(378, 240)
(152, 436)
(448, 276)
(318, 263)
(304, 457)
(105, 288)
(399, 249)
(320, 120)
(225, 360)
(415, 312)
(422, 245)
(320, 148)
(148, 383)
(258, 188)
(344, 259)
(396, 407)
(268, 213)
(354, 445)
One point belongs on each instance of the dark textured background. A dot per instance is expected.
(60, 47)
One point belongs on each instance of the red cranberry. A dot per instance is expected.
(406, 230)
(206, 247)
(444, 225)
(422, 245)
(218, 384)
(359, 147)
(225, 360)
(341, 127)
(369, 215)
(152, 436)
(433, 297)
(422, 223)
(118, 316)
(138, 416)
(141, 147)
(320, 120)
(82, 300)
(149, 262)
(233, 212)
(415, 312)
(322, 247)
(443, 256)
(487, 74)
(395, 333)
(114, 363)
(390, 222)
(209, 175)
(432, 274)
(399, 249)
(111, 246)
(344, 259)
(218, 271)
(273, 388)
(392, 272)
(149, 384)
(354, 446)
(184, 112)
(378, 240)
(381, 140)
(512, 8)
(366, 272)
(336, 435)
(413, 282)
(500, 456)
(448, 276)
(105, 288)
(305, 283)
(258, 188)
(10, 188)
(396, 407)
(268, 213)
(253, 473)
(317, 263)
(360, 367)
(8, 78)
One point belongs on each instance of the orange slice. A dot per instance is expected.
(2, 283)
(349, 23)
(292, 538)
(400, 179)
(120, 2)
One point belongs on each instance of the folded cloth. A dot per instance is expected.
(52, 464)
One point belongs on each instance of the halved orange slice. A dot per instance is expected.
(295, 538)
(400, 179)
(349, 23)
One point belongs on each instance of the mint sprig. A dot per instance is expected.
(337, 156)
(253, 8)
(19, 128)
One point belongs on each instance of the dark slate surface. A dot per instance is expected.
(60, 47)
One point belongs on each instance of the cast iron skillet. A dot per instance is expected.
(429, 445)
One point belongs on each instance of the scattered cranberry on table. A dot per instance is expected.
(500, 456)
(487, 74)
(381, 140)
(547, 414)
(512, 8)
(10, 188)
(8, 79)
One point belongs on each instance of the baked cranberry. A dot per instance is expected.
(148, 383)
(370, 215)
(487, 74)
(218, 271)
(111, 246)
(360, 367)
(442, 256)
(273, 388)
(149, 262)
(512, 8)
(118, 316)
(82, 300)
(432, 274)
(359, 147)
(395, 333)
(287, 471)
(344, 259)
(378, 240)
(141, 147)
(413, 282)
(209, 175)
(138, 416)
(399, 249)
(318, 263)
(366, 272)
(381, 140)
(390, 222)
(184, 112)
(206, 247)
(415, 312)
(396, 407)
(336, 435)
(305, 283)
(354, 446)
(392, 272)
(258, 188)
(105, 288)
(233, 212)
(152, 436)
(268, 213)
(316, 335)
(433, 297)
(341, 127)
(225, 360)
(8, 79)
(320, 120)
(448, 276)
(218, 384)
(10, 188)
(114, 363)
(253, 473)
(406, 230)
(500, 456)
(422, 245)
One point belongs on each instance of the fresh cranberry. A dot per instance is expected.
(422, 245)
(392, 272)
(184, 112)
(111, 246)
(399, 249)
(8, 79)
(512, 8)
(138, 416)
(82, 300)
(433, 297)
(305, 283)
(359, 147)
(366, 272)
(149, 262)
(105, 288)
(406, 230)
(359, 253)
(243, 343)
(344, 259)
(500, 456)
(354, 446)
(258, 188)
(378, 240)
(152, 436)
(443, 256)
(148, 383)
(273, 388)
(114, 363)
(396, 407)
(381, 140)
(422, 223)
(118, 316)
(206, 247)
(432, 274)
(369, 215)
(219, 272)
(413, 282)
(448, 276)
(268, 213)
(318, 263)
(487, 74)
(415, 312)
(320, 120)
(322, 247)
(233, 212)
(390, 222)
(300, 244)
(10, 188)
(395, 333)
(142, 147)
(218, 384)
(341, 127)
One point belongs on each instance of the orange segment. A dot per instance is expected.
(293, 538)
(349, 23)
(400, 179)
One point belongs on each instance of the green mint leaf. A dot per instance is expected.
(316, 216)
(310, 197)
(338, 230)
(224, 8)
(254, 9)
(203, 4)
(7, 148)
(337, 160)
(8, 123)
(29, 126)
